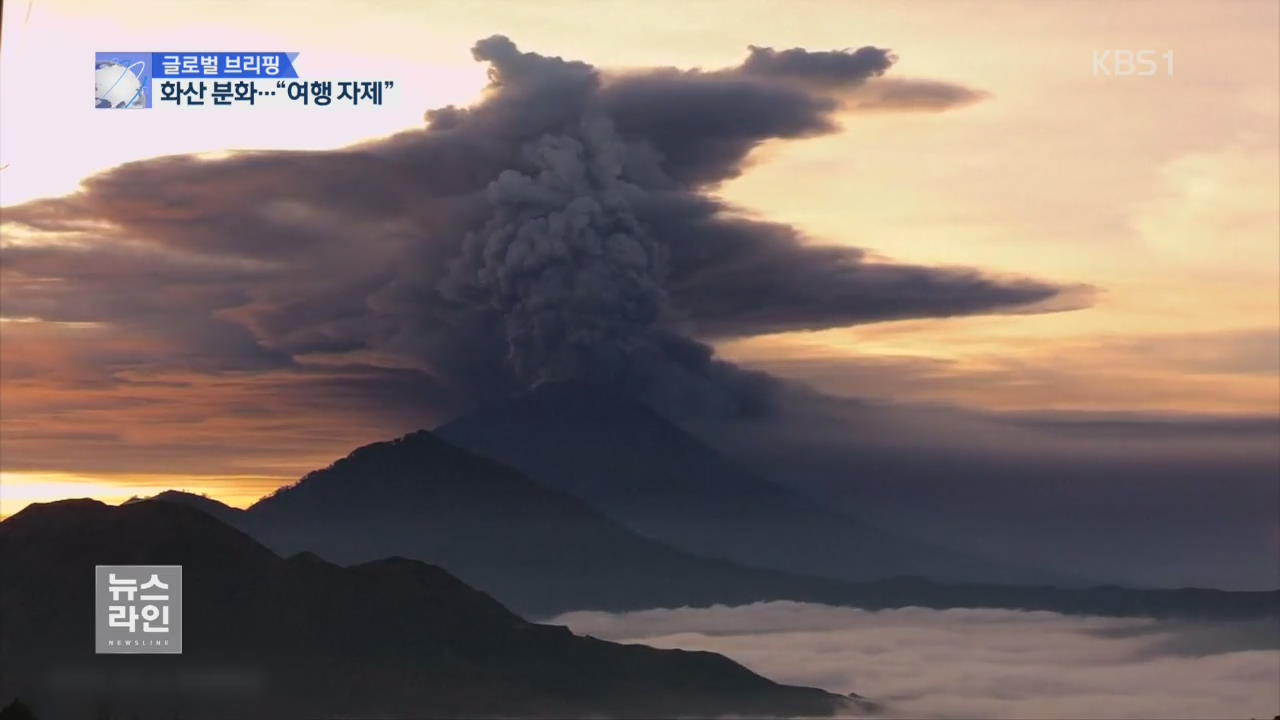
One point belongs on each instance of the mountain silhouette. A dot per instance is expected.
(543, 552)
(538, 550)
(635, 466)
(267, 637)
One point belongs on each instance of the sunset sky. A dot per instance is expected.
(1152, 200)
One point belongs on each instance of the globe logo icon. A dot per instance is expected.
(119, 86)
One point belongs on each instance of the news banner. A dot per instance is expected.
(222, 79)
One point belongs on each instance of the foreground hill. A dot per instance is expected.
(266, 637)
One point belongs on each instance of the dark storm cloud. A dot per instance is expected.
(836, 68)
(702, 124)
(560, 228)
(722, 266)
(695, 128)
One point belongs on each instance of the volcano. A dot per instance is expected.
(632, 464)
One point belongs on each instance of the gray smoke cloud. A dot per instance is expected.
(561, 228)
(564, 260)
(833, 67)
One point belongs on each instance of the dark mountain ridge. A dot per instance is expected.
(642, 470)
(266, 637)
(542, 552)
(538, 550)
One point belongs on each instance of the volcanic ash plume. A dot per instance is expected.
(576, 277)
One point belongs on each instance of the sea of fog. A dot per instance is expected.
(968, 663)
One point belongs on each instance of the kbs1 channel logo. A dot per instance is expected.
(137, 609)
(140, 80)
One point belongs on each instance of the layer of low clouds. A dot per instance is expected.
(981, 663)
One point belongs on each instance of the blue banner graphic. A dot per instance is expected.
(223, 65)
